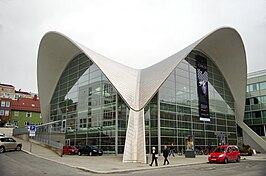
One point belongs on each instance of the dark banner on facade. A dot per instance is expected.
(202, 86)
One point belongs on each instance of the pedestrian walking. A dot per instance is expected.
(172, 150)
(154, 156)
(165, 155)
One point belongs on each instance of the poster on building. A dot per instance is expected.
(202, 87)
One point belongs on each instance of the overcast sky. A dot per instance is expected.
(137, 33)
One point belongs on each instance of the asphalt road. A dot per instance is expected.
(19, 164)
(244, 168)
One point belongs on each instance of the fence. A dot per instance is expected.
(24, 131)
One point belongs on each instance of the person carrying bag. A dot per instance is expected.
(154, 156)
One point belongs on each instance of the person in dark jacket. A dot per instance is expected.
(172, 150)
(154, 153)
(165, 155)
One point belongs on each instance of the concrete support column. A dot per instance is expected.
(135, 147)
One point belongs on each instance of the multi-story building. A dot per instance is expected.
(5, 110)
(7, 93)
(23, 94)
(25, 112)
(14, 101)
(192, 99)
(255, 110)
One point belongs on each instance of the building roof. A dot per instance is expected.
(257, 73)
(26, 104)
(138, 86)
(7, 85)
(22, 92)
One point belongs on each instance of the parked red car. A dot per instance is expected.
(70, 150)
(224, 154)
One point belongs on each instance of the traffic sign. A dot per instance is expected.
(32, 133)
(32, 128)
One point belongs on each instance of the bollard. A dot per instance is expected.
(147, 162)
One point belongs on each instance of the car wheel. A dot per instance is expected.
(225, 161)
(90, 153)
(79, 153)
(2, 149)
(18, 148)
(238, 159)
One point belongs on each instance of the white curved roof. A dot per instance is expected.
(137, 86)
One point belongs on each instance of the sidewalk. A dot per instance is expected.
(109, 163)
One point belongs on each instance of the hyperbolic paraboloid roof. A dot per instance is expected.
(137, 86)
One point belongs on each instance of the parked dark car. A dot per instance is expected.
(70, 150)
(90, 150)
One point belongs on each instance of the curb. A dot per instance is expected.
(125, 170)
(138, 169)
(114, 171)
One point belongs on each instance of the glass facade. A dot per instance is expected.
(255, 109)
(86, 109)
(177, 101)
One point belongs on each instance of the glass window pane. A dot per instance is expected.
(262, 85)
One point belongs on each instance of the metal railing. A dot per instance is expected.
(56, 144)
(19, 131)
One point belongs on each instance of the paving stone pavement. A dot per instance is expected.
(112, 163)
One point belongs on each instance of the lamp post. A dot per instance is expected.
(100, 136)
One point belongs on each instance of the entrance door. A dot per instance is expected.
(222, 138)
(67, 142)
(63, 129)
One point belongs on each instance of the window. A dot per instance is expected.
(16, 113)
(11, 140)
(254, 100)
(264, 114)
(3, 103)
(26, 123)
(28, 114)
(7, 103)
(263, 99)
(253, 87)
(15, 122)
(262, 85)
(2, 112)
(258, 114)
(7, 113)
(235, 148)
(247, 101)
(229, 149)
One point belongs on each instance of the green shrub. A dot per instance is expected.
(246, 149)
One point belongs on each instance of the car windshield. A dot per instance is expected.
(93, 147)
(219, 149)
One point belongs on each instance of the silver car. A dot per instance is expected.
(8, 143)
(2, 134)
